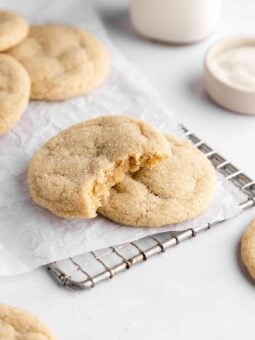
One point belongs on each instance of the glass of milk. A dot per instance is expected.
(176, 21)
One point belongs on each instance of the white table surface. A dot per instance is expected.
(198, 290)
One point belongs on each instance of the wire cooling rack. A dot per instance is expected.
(86, 270)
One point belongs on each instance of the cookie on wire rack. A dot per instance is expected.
(173, 191)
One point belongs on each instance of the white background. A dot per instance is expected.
(198, 290)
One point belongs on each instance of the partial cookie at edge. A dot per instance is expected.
(13, 29)
(248, 248)
(16, 323)
(14, 92)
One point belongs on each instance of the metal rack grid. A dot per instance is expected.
(87, 270)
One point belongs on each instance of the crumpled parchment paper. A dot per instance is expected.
(31, 236)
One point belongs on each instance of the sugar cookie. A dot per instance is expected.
(173, 191)
(72, 174)
(62, 61)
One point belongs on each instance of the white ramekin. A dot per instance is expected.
(225, 94)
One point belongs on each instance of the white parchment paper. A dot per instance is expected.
(31, 236)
